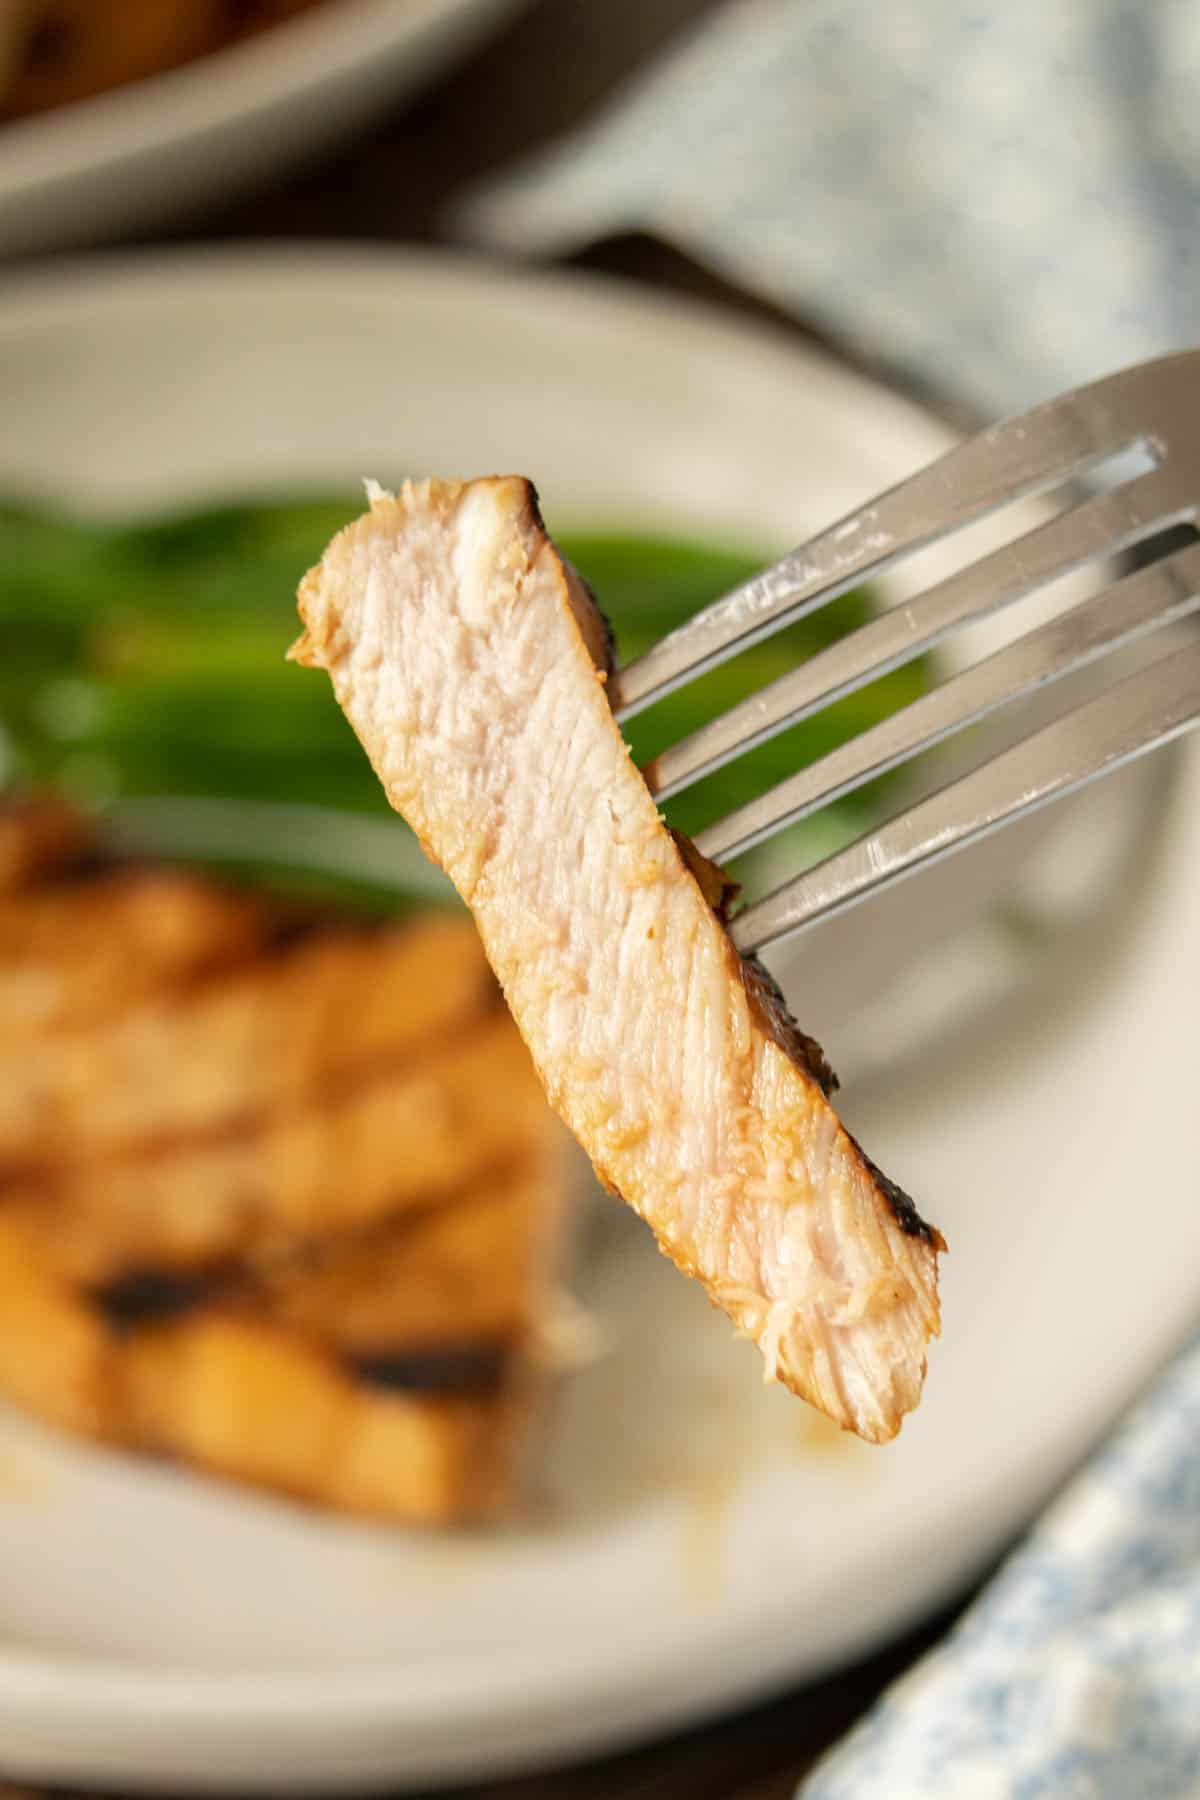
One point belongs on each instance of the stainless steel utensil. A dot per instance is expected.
(1153, 409)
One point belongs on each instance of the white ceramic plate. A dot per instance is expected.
(699, 1538)
(150, 150)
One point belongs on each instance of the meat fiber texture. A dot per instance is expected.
(472, 663)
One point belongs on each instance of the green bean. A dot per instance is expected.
(147, 658)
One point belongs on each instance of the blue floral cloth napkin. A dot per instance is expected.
(996, 200)
(1076, 1675)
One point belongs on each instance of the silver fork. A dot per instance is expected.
(1154, 408)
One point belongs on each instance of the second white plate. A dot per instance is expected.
(151, 149)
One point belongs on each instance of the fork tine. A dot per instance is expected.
(1145, 710)
(1104, 525)
(1023, 456)
(1159, 595)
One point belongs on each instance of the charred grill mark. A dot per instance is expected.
(140, 1299)
(89, 863)
(150, 1296)
(143, 1298)
(434, 1369)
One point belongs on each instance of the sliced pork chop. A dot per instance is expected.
(471, 662)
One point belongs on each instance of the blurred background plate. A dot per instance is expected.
(695, 1537)
(147, 151)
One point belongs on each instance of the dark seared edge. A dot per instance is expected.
(608, 636)
(149, 1296)
(718, 888)
(805, 1051)
(434, 1369)
(607, 661)
(903, 1207)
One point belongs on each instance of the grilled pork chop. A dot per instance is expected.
(388, 1373)
(471, 661)
(287, 1207)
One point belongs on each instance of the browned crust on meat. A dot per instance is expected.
(719, 889)
(778, 1023)
(594, 625)
(903, 1206)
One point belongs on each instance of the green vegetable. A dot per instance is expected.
(146, 659)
